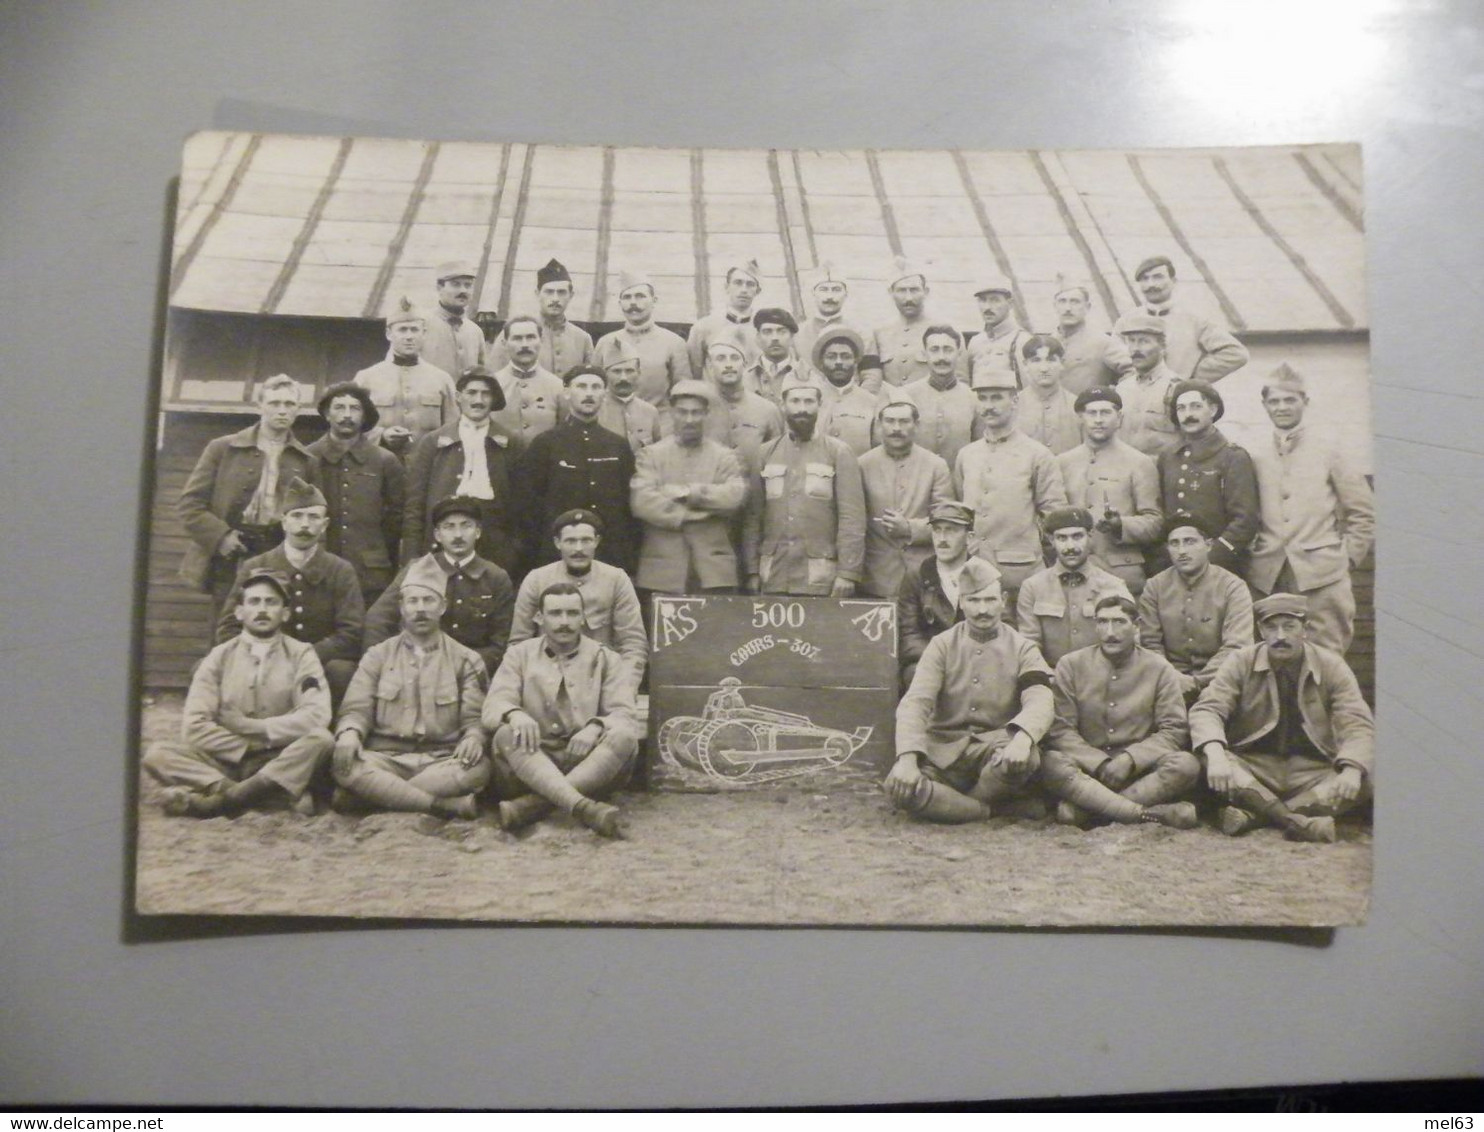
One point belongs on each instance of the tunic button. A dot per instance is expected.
(1179, 495)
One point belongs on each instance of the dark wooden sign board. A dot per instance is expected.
(770, 691)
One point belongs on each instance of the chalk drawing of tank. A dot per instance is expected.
(737, 743)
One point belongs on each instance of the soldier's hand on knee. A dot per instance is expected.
(1218, 769)
(347, 748)
(1015, 756)
(582, 743)
(1116, 773)
(470, 749)
(1343, 788)
(524, 730)
(901, 782)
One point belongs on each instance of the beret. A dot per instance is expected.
(1148, 265)
(573, 517)
(1097, 393)
(775, 316)
(1204, 388)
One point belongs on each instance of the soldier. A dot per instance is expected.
(230, 504)
(902, 482)
(999, 345)
(533, 400)
(829, 291)
(1195, 613)
(968, 729)
(454, 342)
(579, 463)
(412, 396)
(1117, 749)
(686, 489)
(896, 349)
(624, 412)
(473, 458)
(805, 531)
(739, 419)
(610, 605)
(1048, 412)
(1197, 346)
(777, 361)
(1318, 518)
(1009, 480)
(563, 345)
(408, 737)
(1056, 608)
(365, 487)
(1092, 358)
(325, 607)
(743, 282)
(663, 357)
(254, 728)
(1207, 476)
(1146, 393)
(1117, 483)
(928, 599)
(848, 409)
(478, 599)
(562, 711)
(1283, 731)
(950, 411)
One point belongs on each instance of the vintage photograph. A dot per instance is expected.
(761, 537)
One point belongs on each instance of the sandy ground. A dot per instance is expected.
(813, 853)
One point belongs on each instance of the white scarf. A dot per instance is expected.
(476, 478)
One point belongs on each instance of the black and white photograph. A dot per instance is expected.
(707, 536)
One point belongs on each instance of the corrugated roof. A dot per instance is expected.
(341, 227)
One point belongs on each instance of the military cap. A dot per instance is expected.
(728, 336)
(1138, 322)
(458, 505)
(690, 387)
(627, 279)
(426, 574)
(837, 334)
(796, 380)
(1097, 393)
(989, 375)
(1281, 605)
(1284, 376)
(300, 494)
(405, 311)
(902, 268)
(369, 414)
(578, 371)
(1066, 283)
(267, 576)
(456, 269)
(1183, 519)
(824, 273)
(1063, 517)
(994, 281)
(950, 511)
(747, 267)
(480, 373)
(976, 575)
(1148, 265)
(775, 316)
(620, 350)
(1204, 388)
(572, 517)
(553, 272)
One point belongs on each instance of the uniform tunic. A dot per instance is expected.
(1197, 345)
(1051, 420)
(663, 359)
(610, 610)
(419, 397)
(1093, 359)
(1146, 410)
(1055, 609)
(1196, 624)
(405, 697)
(997, 350)
(964, 687)
(435, 468)
(721, 323)
(849, 415)
(578, 464)
(325, 608)
(1009, 481)
(480, 602)
(534, 402)
(911, 485)
(687, 542)
(807, 526)
(1119, 476)
(948, 419)
(766, 379)
(812, 327)
(1103, 708)
(903, 357)
(743, 425)
(636, 420)
(1212, 480)
(453, 343)
(561, 349)
(563, 694)
(366, 490)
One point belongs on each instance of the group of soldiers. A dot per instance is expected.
(442, 598)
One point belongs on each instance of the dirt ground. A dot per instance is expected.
(811, 853)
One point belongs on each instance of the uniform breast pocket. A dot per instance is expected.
(819, 481)
(1048, 609)
(430, 400)
(389, 687)
(383, 397)
(773, 480)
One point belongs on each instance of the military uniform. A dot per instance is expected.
(997, 350)
(911, 485)
(578, 464)
(948, 419)
(849, 415)
(1093, 359)
(281, 684)
(1146, 410)
(687, 544)
(1055, 607)
(899, 349)
(1197, 346)
(924, 609)
(743, 425)
(663, 359)
(419, 397)
(561, 350)
(721, 324)
(636, 420)
(1119, 476)
(365, 488)
(610, 608)
(766, 379)
(480, 604)
(534, 402)
(810, 331)
(435, 469)
(1196, 624)
(452, 342)
(1051, 420)
(1212, 480)
(807, 526)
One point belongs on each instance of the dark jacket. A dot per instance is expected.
(366, 489)
(923, 611)
(1213, 480)
(579, 464)
(325, 606)
(481, 606)
(434, 467)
